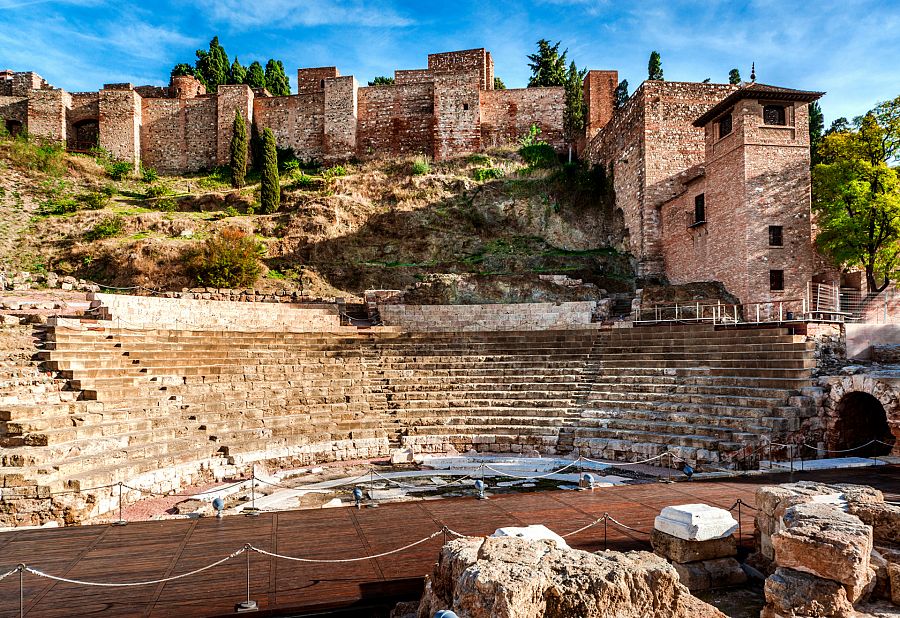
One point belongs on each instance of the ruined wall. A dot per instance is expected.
(312, 80)
(457, 127)
(179, 134)
(396, 119)
(506, 115)
(297, 121)
(517, 316)
(412, 76)
(14, 109)
(47, 114)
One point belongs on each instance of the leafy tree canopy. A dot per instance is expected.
(256, 77)
(654, 66)
(382, 80)
(498, 84)
(734, 77)
(856, 194)
(548, 67)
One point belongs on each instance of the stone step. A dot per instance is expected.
(602, 397)
(588, 418)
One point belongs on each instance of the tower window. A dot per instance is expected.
(466, 106)
(776, 280)
(774, 114)
(700, 209)
(724, 125)
(776, 236)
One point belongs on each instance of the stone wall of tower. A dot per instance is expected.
(180, 134)
(599, 99)
(506, 115)
(47, 114)
(231, 99)
(396, 120)
(340, 117)
(477, 61)
(457, 114)
(297, 121)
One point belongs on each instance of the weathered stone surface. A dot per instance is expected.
(882, 589)
(792, 593)
(695, 522)
(708, 574)
(532, 533)
(884, 519)
(680, 550)
(894, 576)
(826, 542)
(508, 577)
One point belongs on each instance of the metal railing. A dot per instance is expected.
(788, 310)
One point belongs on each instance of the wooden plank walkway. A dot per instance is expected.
(151, 550)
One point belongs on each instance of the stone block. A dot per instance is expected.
(828, 543)
(793, 593)
(695, 522)
(884, 519)
(680, 550)
(709, 574)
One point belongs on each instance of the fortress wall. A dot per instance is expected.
(85, 106)
(179, 134)
(311, 80)
(14, 108)
(476, 61)
(189, 314)
(506, 115)
(457, 112)
(499, 317)
(341, 114)
(230, 99)
(120, 122)
(395, 120)
(47, 113)
(412, 76)
(298, 122)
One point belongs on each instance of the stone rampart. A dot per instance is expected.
(396, 119)
(506, 115)
(531, 316)
(297, 121)
(179, 134)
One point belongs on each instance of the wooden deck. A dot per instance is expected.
(150, 550)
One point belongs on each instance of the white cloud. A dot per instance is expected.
(284, 14)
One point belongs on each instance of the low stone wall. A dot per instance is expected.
(184, 314)
(530, 316)
(861, 338)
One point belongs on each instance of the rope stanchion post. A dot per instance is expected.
(21, 569)
(605, 530)
(740, 525)
(252, 511)
(249, 605)
(121, 521)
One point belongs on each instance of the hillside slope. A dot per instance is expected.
(393, 224)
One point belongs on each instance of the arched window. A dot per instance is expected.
(724, 125)
(13, 127)
(774, 114)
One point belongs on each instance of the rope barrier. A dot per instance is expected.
(618, 464)
(583, 528)
(344, 560)
(621, 525)
(8, 573)
(140, 583)
(529, 478)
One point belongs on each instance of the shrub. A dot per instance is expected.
(60, 205)
(487, 173)
(334, 172)
(149, 175)
(217, 178)
(290, 166)
(480, 159)
(231, 211)
(109, 190)
(106, 228)
(541, 154)
(94, 200)
(270, 188)
(531, 138)
(302, 181)
(238, 151)
(119, 170)
(229, 259)
(157, 190)
(420, 166)
(166, 204)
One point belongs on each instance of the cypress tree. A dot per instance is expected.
(654, 67)
(734, 77)
(270, 190)
(277, 82)
(212, 66)
(816, 131)
(238, 73)
(498, 84)
(238, 151)
(573, 117)
(256, 77)
(622, 94)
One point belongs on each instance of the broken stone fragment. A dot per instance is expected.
(695, 522)
(709, 574)
(792, 593)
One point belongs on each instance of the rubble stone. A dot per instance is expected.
(680, 550)
(709, 574)
(793, 593)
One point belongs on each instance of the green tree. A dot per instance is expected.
(548, 67)
(277, 82)
(734, 77)
(270, 188)
(212, 66)
(182, 69)
(856, 195)
(498, 84)
(622, 94)
(239, 144)
(816, 130)
(229, 259)
(573, 117)
(238, 74)
(654, 67)
(382, 80)
(256, 77)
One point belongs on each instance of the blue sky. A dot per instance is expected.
(848, 48)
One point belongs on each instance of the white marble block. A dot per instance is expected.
(695, 522)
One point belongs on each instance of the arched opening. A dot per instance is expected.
(860, 419)
(86, 135)
(13, 127)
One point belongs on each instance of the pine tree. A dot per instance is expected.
(212, 66)
(238, 74)
(573, 117)
(382, 80)
(816, 131)
(256, 77)
(277, 82)
(654, 67)
(270, 189)
(182, 69)
(548, 67)
(622, 94)
(498, 84)
(734, 77)
(239, 145)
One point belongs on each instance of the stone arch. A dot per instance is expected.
(86, 134)
(13, 127)
(859, 408)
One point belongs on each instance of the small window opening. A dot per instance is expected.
(724, 125)
(700, 209)
(466, 106)
(776, 236)
(322, 84)
(775, 115)
(776, 280)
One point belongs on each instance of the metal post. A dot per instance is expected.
(740, 525)
(735, 314)
(780, 312)
(757, 313)
(249, 605)
(121, 521)
(697, 314)
(605, 519)
(21, 569)
(252, 512)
